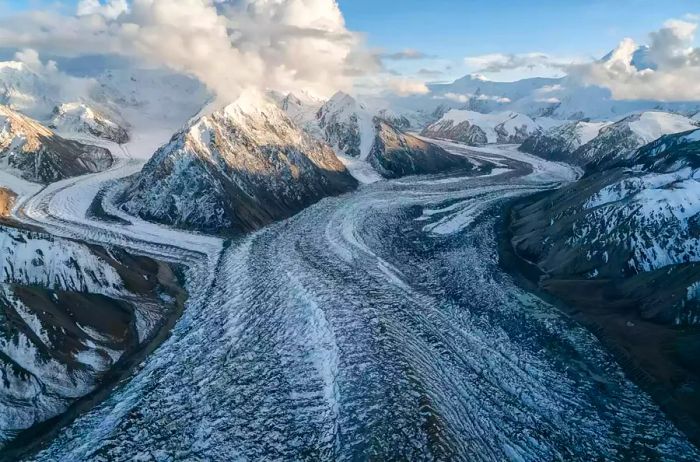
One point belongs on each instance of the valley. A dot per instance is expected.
(376, 324)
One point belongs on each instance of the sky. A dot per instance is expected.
(413, 42)
(455, 29)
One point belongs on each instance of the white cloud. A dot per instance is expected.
(498, 62)
(464, 98)
(58, 86)
(110, 9)
(674, 74)
(405, 87)
(407, 54)
(230, 46)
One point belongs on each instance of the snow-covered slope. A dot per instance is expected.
(68, 313)
(475, 128)
(619, 140)
(635, 224)
(558, 143)
(236, 170)
(302, 110)
(78, 119)
(35, 153)
(347, 126)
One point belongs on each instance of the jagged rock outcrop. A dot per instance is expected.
(7, 200)
(347, 126)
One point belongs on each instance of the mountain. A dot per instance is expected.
(78, 119)
(622, 247)
(302, 109)
(150, 104)
(347, 126)
(564, 98)
(37, 154)
(475, 128)
(69, 315)
(560, 142)
(629, 53)
(396, 154)
(371, 143)
(633, 217)
(236, 170)
(620, 139)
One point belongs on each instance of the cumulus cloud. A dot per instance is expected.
(230, 45)
(58, 85)
(670, 70)
(405, 87)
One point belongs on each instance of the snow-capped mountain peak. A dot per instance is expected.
(32, 151)
(347, 125)
(77, 118)
(235, 170)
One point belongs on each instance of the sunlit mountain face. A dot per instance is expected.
(320, 230)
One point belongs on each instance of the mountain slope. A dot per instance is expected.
(622, 247)
(347, 126)
(396, 154)
(80, 119)
(475, 128)
(69, 313)
(559, 143)
(236, 170)
(620, 140)
(37, 154)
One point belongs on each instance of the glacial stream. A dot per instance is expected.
(377, 325)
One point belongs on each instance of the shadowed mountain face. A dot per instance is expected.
(396, 154)
(235, 171)
(37, 154)
(623, 245)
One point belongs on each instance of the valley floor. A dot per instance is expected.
(375, 325)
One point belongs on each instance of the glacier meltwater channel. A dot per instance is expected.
(375, 325)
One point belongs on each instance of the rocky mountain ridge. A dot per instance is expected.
(32, 151)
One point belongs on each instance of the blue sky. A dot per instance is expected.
(454, 29)
(451, 30)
